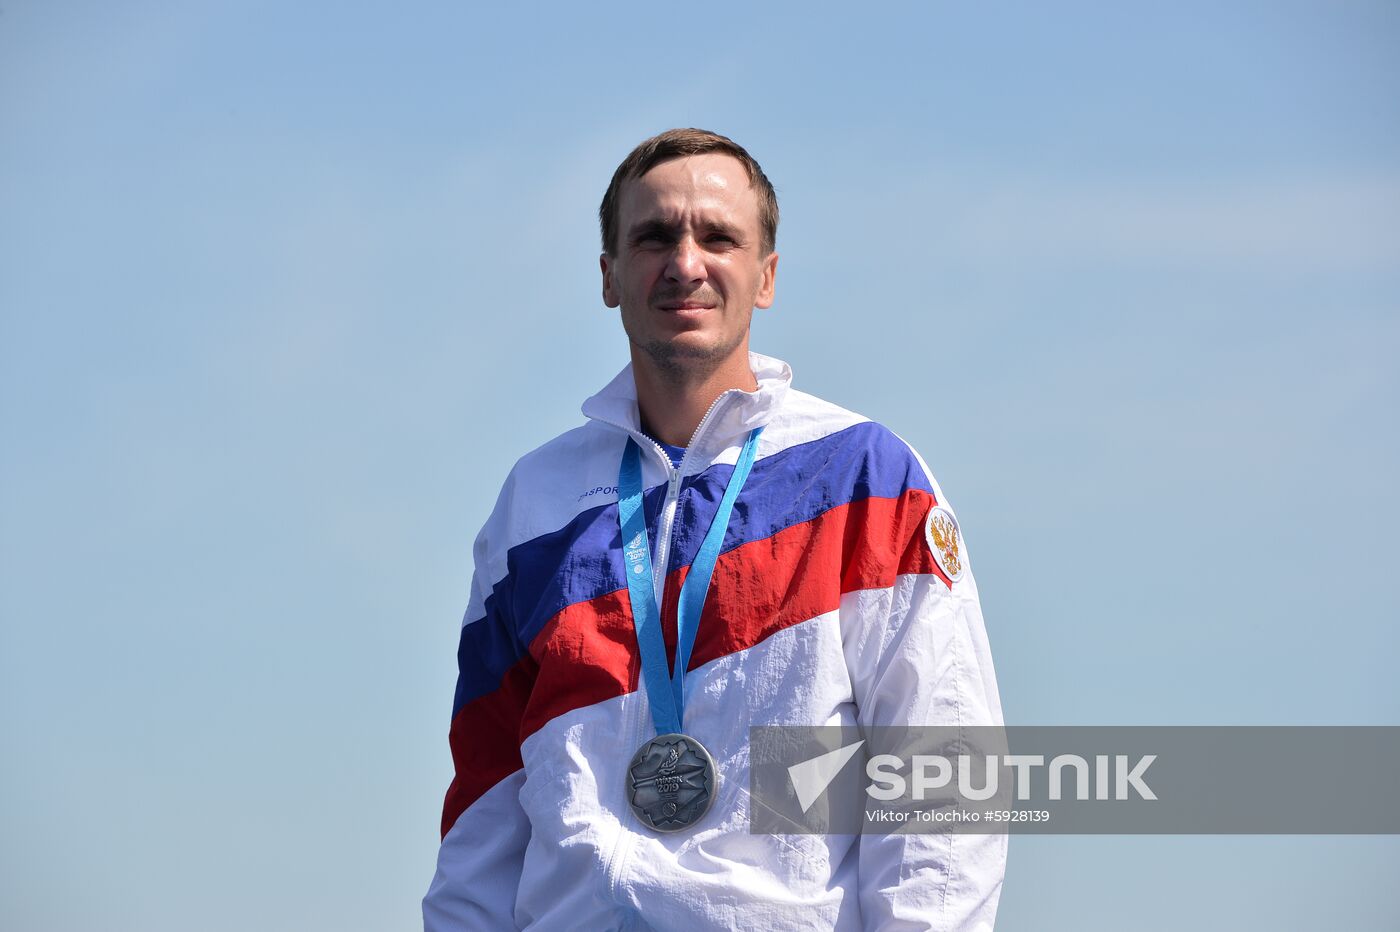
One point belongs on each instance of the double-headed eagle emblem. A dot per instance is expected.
(943, 540)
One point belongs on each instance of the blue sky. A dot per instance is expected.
(284, 292)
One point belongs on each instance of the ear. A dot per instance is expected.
(610, 297)
(767, 284)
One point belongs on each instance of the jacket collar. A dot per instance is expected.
(616, 404)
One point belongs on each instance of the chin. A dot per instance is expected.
(686, 352)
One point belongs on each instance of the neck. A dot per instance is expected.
(673, 401)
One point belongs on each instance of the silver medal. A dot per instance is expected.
(671, 782)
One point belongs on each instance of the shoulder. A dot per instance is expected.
(873, 463)
(814, 432)
(806, 419)
(551, 485)
(552, 459)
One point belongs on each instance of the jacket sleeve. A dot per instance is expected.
(918, 655)
(484, 829)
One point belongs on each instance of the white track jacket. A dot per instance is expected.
(828, 606)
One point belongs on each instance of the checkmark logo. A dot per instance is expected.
(811, 777)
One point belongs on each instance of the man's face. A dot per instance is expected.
(690, 265)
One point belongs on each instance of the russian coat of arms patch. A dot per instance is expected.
(941, 529)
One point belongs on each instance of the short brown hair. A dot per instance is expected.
(676, 144)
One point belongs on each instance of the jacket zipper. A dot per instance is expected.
(666, 523)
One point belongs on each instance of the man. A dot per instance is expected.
(597, 788)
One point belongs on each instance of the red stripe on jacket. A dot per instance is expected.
(587, 653)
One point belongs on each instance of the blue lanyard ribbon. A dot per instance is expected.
(668, 699)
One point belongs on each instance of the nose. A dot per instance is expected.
(687, 263)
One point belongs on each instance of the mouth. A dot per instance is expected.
(685, 306)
